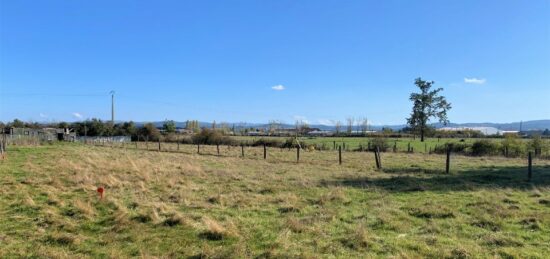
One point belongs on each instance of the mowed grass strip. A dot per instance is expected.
(189, 205)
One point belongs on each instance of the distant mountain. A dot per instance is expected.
(526, 125)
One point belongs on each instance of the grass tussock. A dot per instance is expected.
(359, 239)
(429, 211)
(215, 231)
(63, 239)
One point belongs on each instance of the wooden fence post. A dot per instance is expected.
(376, 159)
(529, 166)
(218, 149)
(448, 162)
(178, 141)
(2, 145)
(409, 147)
(5, 144)
(340, 155)
(379, 158)
(334, 145)
(147, 142)
(159, 145)
(198, 148)
(265, 152)
(297, 154)
(242, 150)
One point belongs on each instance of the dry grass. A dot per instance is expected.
(183, 204)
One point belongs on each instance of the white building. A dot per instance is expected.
(483, 130)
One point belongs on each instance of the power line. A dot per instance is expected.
(55, 94)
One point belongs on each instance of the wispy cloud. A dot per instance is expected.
(42, 115)
(77, 115)
(473, 80)
(326, 122)
(278, 87)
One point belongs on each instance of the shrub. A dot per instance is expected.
(322, 146)
(536, 144)
(379, 142)
(511, 145)
(211, 137)
(484, 147)
(150, 132)
(461, 148)
(293, 142)
(270, 142)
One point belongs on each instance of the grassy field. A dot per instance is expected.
(188, 205)
(352, 143)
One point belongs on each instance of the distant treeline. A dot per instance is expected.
(148, 131)
(94, 127)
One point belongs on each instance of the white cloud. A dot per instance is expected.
(77, 115)
(326, 122)
(42, 115)
(278, 87)
(473, 80)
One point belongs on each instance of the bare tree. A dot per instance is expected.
(364, 125)
(301, 126)
(274, 126)
(224, 126)
(338, 127)
(241, 127)
(350, 121)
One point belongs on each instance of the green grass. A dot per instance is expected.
(352, 143)
(181, 204)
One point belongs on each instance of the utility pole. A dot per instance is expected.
(520, 126)
(112, 107)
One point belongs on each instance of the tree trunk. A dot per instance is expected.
(422, 135)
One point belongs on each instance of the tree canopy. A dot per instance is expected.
(427, 104)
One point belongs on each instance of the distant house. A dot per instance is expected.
(285, 132)
(42, 133)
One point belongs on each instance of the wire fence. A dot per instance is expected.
(366, 160)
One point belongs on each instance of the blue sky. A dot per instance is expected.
(256, 61)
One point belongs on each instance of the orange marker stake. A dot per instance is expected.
(100, 191)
